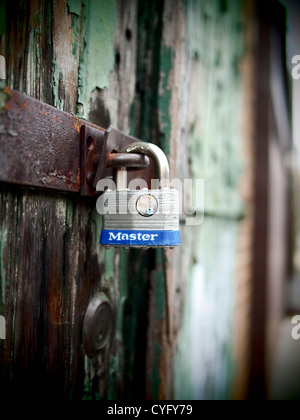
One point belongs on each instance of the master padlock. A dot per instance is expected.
(142, 218)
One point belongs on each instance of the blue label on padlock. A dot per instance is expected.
(142, 238)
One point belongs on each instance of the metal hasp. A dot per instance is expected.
(92, 145)
(43, 147)
(97, 324)
(96, 157)
(39, 145)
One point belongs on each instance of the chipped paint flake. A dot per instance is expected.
(97, 59)
(74, 6)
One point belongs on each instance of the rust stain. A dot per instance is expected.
(7, 91)
(39, 144)
(77, 125)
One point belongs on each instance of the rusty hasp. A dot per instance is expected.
(138, 165)
(43, 147)
(93, 144)
(39, 144)
(133, 160)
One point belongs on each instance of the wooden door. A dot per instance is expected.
(99, 60)
(167, 72)
(79, 57)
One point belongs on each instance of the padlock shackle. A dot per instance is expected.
(156, 154)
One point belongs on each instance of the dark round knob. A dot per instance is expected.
(97, 324)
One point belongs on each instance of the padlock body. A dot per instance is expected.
(141, 218)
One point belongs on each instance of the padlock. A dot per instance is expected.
(147, 218)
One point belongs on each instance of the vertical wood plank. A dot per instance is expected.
(157, 70)
(51, 264)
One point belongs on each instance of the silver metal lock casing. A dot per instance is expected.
(142, 218)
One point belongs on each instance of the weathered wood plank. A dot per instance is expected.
(66, 52)
(49, 270)
(50, 265)
(199, 77)
(109, 65)
(157, 70)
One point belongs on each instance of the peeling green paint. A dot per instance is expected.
(57, 80)
(164, 100)
(204, 364)
(209, 290)
(74, 7)
(97, 57)
(109, 263)
(74, 33)
(215, 135)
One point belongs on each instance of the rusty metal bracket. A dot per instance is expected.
(96, 158)
(93, 144)
(138, 166)
(43, 147)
